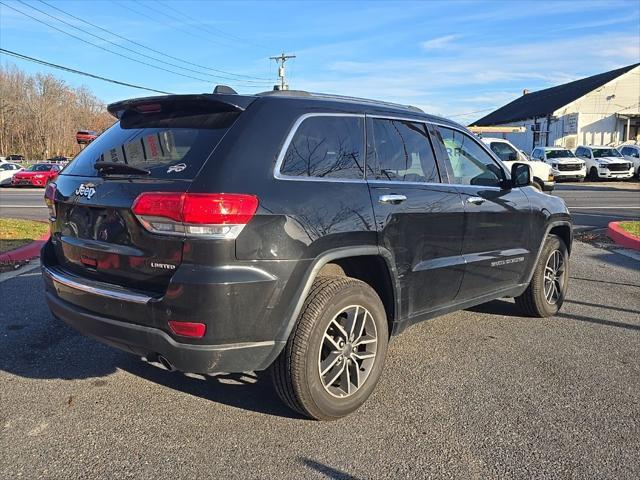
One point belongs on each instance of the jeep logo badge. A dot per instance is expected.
(86, 190)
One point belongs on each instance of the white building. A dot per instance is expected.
(600, 110)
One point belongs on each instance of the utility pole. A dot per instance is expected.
(280, 59)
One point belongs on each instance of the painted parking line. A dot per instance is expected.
(24, 206)
(604, 208)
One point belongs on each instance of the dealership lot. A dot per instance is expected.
(479, 393)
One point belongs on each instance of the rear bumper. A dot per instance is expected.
(150, 342)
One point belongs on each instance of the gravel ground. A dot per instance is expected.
(481, 393)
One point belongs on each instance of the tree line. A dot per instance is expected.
(40, 114)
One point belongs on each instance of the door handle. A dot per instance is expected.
(392, 199)
(476, 200)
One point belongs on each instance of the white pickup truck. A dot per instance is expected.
(541, 173)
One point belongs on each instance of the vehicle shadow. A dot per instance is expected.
(327, 471)
(507, 308)
(249, 391)
(35, 345)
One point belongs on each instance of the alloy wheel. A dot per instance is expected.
(348, 351)
(554, 277)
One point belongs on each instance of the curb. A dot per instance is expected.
(625, 239)
(26, 252)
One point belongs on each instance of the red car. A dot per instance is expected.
(37, 175)
(84, 137)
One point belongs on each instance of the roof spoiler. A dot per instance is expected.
(206, 102)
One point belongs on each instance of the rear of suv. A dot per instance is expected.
(605, 163)
(565, 165)
(293, 232)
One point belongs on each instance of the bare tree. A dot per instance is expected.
(40, 114)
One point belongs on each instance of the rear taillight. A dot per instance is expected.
(49, 199)
(188, 329)
(215, 215)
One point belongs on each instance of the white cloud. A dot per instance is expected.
(439, 42)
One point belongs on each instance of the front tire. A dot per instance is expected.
(548, 287)
(593, 174)
(336, 351)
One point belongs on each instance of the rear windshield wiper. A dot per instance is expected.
(116, 167)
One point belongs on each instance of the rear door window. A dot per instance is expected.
(172, 147)
(400, 150)
(326, 146)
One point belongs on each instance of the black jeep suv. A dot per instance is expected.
(291, 231)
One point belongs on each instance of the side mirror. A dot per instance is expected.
(520, 175)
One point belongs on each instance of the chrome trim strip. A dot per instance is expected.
(289, 139)
(67, 281)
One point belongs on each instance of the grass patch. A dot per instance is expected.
(15, 233)
(631, 227)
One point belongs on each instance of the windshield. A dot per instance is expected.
(39, 167)
(606, 152)
(504, 151)
(172, 147)
(560, 154)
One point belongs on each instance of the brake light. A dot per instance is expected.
(188, 329)
(49, 199)
(216, 215)
(149, 108)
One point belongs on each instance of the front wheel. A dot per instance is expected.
(335, 354)
(548, 287)
(593, 174)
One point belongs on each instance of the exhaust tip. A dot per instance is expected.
(165, 363)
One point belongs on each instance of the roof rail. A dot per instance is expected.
(338, 98)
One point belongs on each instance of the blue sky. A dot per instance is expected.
(449, 58)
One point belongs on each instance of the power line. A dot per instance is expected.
(107, 49)
(280, 60)
(206, 27)
(129, 49)
(79, 72)
(150, 48)
(164, 24)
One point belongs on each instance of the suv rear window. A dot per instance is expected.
(170, 147)
(327, 147)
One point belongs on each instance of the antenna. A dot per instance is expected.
(280, 59)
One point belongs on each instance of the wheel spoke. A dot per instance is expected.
(363, 355)
(330, 362)
(332, 341)
(352, 327)
(356, 368)
(340, 328)
(365, 341)
(337, 375)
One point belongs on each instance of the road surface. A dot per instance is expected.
(482, 393)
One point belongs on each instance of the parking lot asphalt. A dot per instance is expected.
(482, 393)
(591, 204)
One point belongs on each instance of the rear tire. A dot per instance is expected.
(318, 350)
(548, 287)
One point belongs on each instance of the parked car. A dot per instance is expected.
(84, 137)
(58, 159)
(7, 171)
(604, 162)
(268, 231)
(542, 174)
(37, 175)
(564, 163)
(15, 158)
(632, 154)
